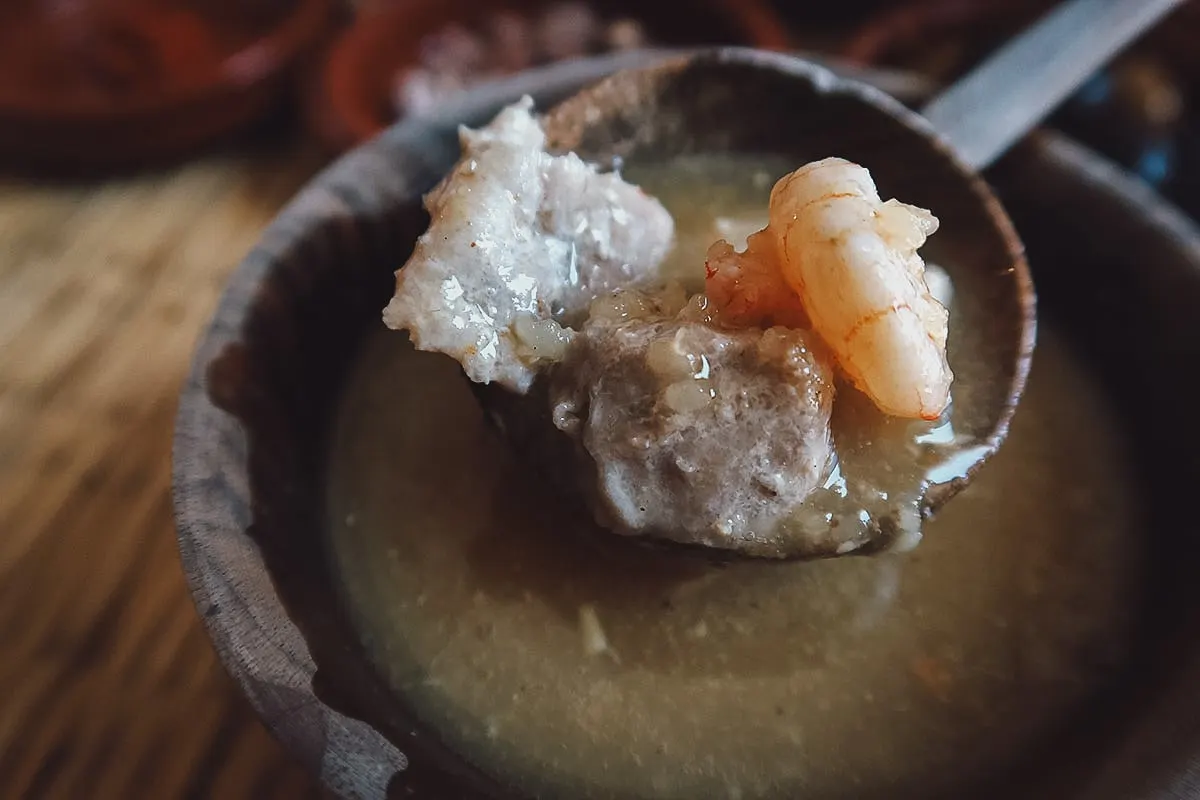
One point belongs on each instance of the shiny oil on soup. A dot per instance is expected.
(582, 666)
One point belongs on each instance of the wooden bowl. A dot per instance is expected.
(102, 84)
(256, 414)
(351, 99)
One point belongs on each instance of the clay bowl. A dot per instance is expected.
(1118, 271)
(104, 85)
(351, 98)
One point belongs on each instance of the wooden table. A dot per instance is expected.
(108, 685)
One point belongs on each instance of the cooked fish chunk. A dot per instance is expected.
(697, 433)
(517, 235)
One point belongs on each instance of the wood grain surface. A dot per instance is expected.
(110, 687)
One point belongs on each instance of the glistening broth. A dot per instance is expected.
(583, 666)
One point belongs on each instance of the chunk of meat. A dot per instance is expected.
(516, 233)
(704, 435)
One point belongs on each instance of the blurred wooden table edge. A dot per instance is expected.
(111, 688)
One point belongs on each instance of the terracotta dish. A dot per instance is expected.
(93, 84)
(353, 96)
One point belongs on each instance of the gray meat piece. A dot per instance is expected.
(703, 435)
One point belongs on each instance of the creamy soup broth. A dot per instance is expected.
(585, 666)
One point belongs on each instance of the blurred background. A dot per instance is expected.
(144, 144)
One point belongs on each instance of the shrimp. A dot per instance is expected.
(853, 262)
(748, 289)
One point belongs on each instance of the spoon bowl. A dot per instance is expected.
(737, 101)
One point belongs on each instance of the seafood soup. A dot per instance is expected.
(583, 666)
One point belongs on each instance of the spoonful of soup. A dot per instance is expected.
(809, 374)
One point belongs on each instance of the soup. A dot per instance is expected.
(582, 666)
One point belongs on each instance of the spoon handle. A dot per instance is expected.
(1001, 100)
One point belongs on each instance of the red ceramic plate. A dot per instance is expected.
(111, 83)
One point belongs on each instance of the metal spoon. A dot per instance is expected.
(1001, 100)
